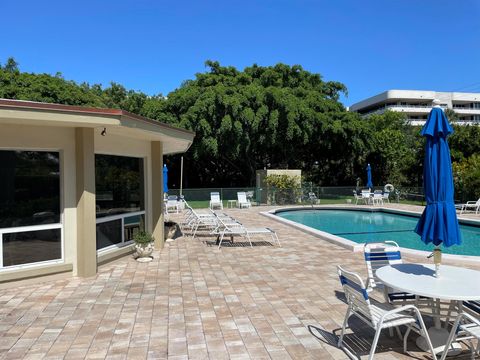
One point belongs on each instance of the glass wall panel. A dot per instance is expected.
(109, 233)
(119, 191)
(132, 225)
(32, 246)
(29, 188)
(119, 185)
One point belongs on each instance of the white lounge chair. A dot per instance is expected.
(379, 316)
(471, 205)
(242, 201)
(235, 228)
(215, 201)
(356, 197)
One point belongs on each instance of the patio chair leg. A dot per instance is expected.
(195, 231)
(405, 339)
(399, 333)
(250, 241)
(344, 326)
(221, 239)
(374, 344)
(424, 332)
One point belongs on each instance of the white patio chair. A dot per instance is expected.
(356, 197)
(366, 196)
(471, 205)
(236, 228)
(472, 307)
(465, 328)
(378, 316)
(312, 197)
(242, 201)
(215, 201)
(380, 254)
(172, 204)
(377, 198)
(386, 196)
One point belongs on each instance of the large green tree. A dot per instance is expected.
(263, 116)
(275, 116)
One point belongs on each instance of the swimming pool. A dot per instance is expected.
(371, 226)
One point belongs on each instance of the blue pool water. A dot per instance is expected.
(366, 226)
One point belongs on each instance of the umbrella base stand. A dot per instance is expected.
(438, 337)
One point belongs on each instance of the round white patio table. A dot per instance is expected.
(453, 284)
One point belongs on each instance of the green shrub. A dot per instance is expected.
(143, 238)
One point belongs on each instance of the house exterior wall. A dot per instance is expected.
(65, 141)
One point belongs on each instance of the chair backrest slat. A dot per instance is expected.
(242, 197)
(378, 255)
(355, 292)
(215, 197)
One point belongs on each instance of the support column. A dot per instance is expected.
(86, 257)
(157, 193)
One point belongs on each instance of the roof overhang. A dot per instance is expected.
(117, 122)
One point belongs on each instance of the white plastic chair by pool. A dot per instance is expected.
(471, 205)
(242, 201)
(215, 201)
(377, 316)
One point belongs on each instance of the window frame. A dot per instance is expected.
(60, 225)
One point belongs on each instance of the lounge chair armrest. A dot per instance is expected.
(471, 318)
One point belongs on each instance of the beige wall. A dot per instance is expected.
(63, 140)
(262, 174)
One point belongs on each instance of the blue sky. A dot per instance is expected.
(370, 46)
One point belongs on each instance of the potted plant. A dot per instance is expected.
(143, 246)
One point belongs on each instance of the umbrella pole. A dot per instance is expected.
(181, 175)
(437, 260)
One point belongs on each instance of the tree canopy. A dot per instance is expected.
(277, 116)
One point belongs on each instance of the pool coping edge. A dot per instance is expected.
(351, 245)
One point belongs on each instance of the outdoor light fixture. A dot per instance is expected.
(104, 131)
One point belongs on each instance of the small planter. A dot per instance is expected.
(144, 252)
(144, 246)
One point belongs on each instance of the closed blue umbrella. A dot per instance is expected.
(438, 223)
(369, 177)
(165, 178)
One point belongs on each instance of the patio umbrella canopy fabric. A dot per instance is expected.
(165, 178)
(438, 223)
(369, 177)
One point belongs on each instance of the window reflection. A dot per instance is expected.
(109, 233)
(29, 188)
(31, 246)
(119, 185)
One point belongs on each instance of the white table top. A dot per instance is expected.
(454, 283)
